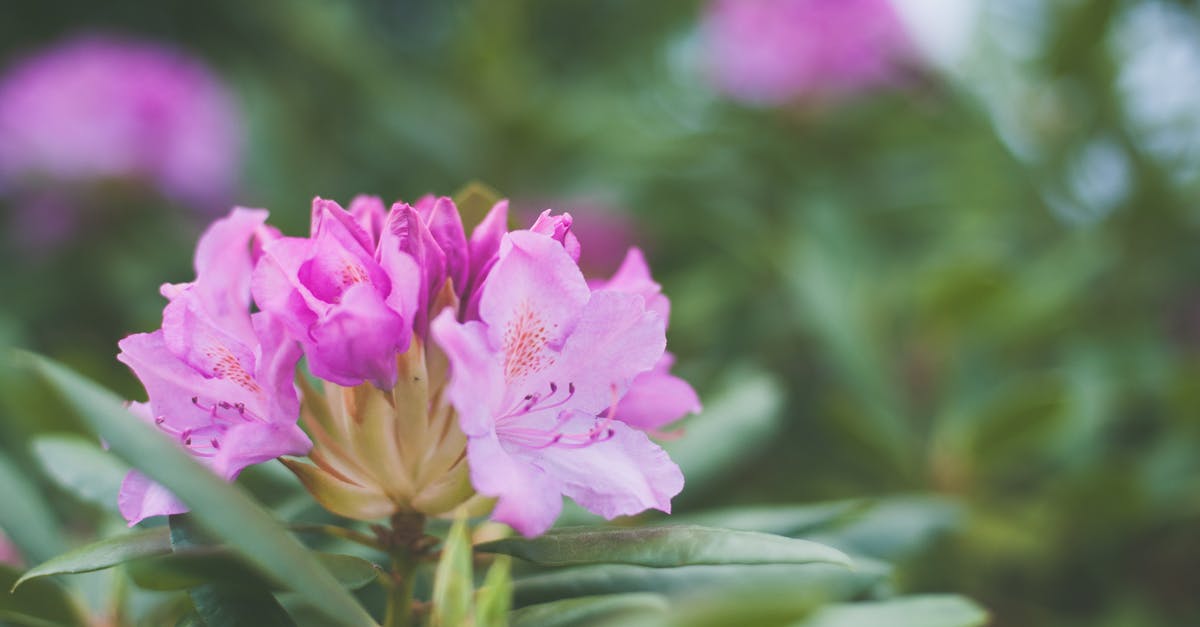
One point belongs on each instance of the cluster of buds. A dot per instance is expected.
(442, 370)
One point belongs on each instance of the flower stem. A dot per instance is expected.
(405, 544)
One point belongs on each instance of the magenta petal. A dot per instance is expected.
(447, 229)
(223, 269)
(369, 213)
(140, 498)
(623, 475)
(358, 340)
(528, 499)
(330, 220)
(406, 232)
(483, 246)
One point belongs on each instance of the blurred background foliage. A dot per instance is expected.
(979, 285)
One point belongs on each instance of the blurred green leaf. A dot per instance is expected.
(453, 582)
(41, 603)
(917, 611)
(494, 598)
(751, 400)
(222, 509)
(103, 554)
(81, 467)
(474, 200)
(31, 524)
(784, 520)
(823, 580)
(663, 547)
(589, 610)
(896, 527)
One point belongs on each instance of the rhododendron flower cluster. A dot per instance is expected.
(776, 51)
(442, 370)
(101, 107)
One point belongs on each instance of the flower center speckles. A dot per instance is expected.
(525, 339)
(226, 366)
(352, 273)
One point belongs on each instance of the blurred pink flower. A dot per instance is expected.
(101, 107)
(776, 51)
(8, 553)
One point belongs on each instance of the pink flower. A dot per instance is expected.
(775, 51)
(220, 379)
(349, 294)
(533, 377)
(656, 397)
(101, 107)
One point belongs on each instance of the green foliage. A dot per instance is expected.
(103, 554)
(454, 581)
(663, 547)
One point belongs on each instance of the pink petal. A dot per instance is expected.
(531, 300)
(620, 476)
(358, 340)
(476, 381)
(558, 227)
(633, 277)
(369, 213)
(252, 443)
(141, 498)
(657, 398)
(528, 499)
(446, 226)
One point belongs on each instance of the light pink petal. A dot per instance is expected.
(633, 277)
(358, 340)
(276, 358)
(620, 476)
(615, 340)
(330, 220)
(171, 384)
(191, 335)
(531, 301)
(223, 269)
(558, 227)
(657, 398)
(476, 381)
(276, 288)
(528, 499)
(252, 443)
(141, 498)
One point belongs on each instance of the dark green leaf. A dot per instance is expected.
(217, 506)
(103, 554)
(187, 568)
(32, 525)
(81, 467)
(230, 601)
(663, 547)
(585, 610)
(39, 603)
(824, 580)
(918, 611)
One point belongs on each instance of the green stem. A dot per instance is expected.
(405, 545)
(341, 532)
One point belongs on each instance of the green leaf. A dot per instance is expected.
(81, 467)
(188, 568)
(222, 509)
(230, 602)
(31, 526)
(474, 200)
(494, 598)
(103, 554)
(38, 604)
(752, 400)
(824, 580)
(917, 611)
(586, 610)
(785, 520)
(453, 583)
(663, 547)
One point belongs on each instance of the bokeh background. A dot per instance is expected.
(942, 254)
